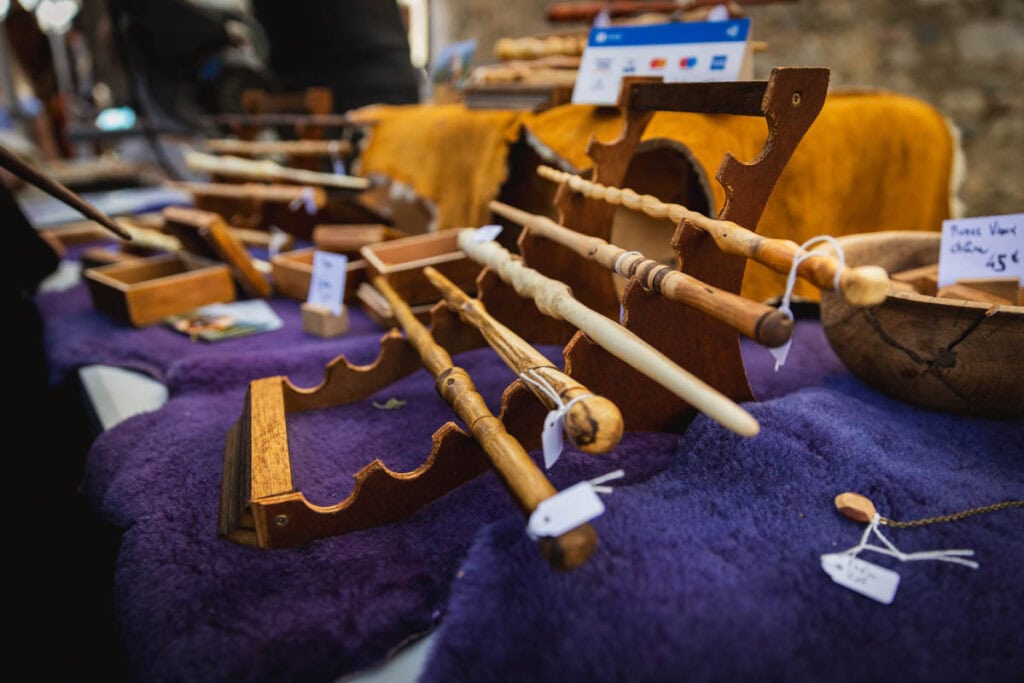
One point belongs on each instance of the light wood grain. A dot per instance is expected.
(593, 423)
(554, 299)
(270, 171)
(520, 474)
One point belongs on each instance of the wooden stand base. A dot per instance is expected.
(321, 322)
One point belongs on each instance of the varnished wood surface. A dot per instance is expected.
(520, 474)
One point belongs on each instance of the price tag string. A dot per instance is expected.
(877, 582)
(554, 424)
(782, 352)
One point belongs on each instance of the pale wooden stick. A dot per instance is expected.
(861, 286)
(513, 464)
(762, 323)
(298, 148)
(238, 167)
(554, 299)
(594, 423)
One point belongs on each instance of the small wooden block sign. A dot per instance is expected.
(322, 322)
(324, 312)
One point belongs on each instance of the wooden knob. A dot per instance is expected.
(865, 286)
(856, 507)
(571, 549)
(594, 424)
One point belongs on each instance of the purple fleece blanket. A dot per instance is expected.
(706, 567)
(709, 571)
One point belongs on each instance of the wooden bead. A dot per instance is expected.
(856, 507)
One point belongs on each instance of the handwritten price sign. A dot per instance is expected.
(327, 284)
(986, 246)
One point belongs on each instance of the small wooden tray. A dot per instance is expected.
(402, 262)
(377, 307)
(147, 290)
(292, 271)
(349, 239)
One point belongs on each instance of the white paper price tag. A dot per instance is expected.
(877, 583)
(551, 437)
(327, 284)
(486, 233)
(780, 353)
(306, 198)
(278, 238)
(565, 511)
(986, 246)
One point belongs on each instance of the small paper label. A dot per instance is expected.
(327, 284)
(877, 583)
(307, 199)
(278, 238)
(551, 437)
(339, 167)
(486, 233)
(780, 353)
(565, 511)
(986, 246)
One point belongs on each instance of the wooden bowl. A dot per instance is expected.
(945, 354)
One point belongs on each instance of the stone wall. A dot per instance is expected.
(965, 57)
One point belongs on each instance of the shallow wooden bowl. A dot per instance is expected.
(945, 354)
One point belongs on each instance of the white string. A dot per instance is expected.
(554, 423)
(955, 556)
(596, 482)
(802, 254)
(618, 261)
(538, 380)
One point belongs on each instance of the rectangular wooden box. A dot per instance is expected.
(402, 262)
(292, 271)
(147, 290)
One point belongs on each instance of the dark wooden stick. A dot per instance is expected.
(762, 323)
(593, 423)
(52, 187)
(521, 475)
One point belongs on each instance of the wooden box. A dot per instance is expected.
(292, 271)
(402, 262)
(147, 290)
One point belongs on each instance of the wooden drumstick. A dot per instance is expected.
(593, 423)
(860, 286)
(554, 299)
(55, 189)
(270, 171)
(762, 323)
(521, 475)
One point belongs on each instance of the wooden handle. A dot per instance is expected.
(55, 189)
(554, 299)
(521, 475)
(269, 171)
(594, 423)
(861, 286)
(760, 322)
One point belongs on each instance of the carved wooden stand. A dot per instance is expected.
(259, 505)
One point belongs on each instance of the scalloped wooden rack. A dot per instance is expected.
(259, 505)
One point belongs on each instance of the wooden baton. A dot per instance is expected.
(520, 474)
(55, 189)
(554, 299)
(270, 171)
(860, 286)
(593, 423)
(760, 322)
